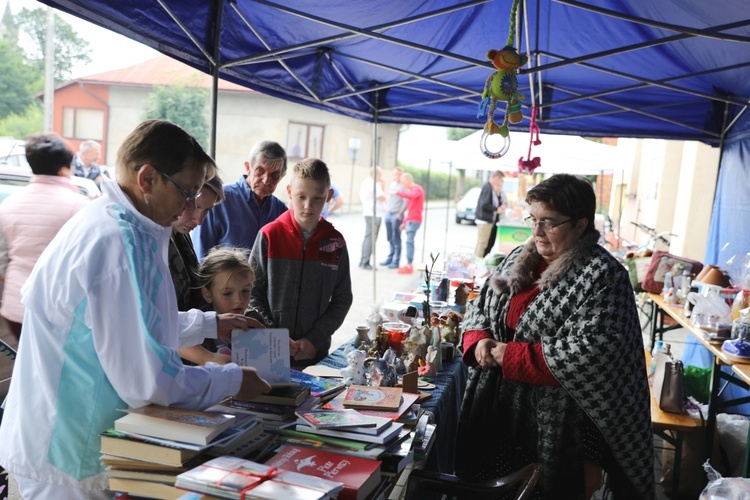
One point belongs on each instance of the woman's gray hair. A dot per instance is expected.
(272, 152)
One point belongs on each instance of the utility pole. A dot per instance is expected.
(49, 71)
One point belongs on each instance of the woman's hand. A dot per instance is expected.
(489, 353)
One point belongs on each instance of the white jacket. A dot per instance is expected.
(100, 334)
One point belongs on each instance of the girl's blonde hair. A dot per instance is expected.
(220, 259)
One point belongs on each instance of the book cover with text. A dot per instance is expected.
(266, 350)
(374, 398)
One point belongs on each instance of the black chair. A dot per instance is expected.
(522, 480)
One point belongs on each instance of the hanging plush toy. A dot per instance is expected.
(502, 85)
(530, 164)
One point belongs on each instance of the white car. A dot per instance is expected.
(14, 178)
(467, 205)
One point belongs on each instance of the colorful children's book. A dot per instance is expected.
(407, 400)
(318, 386)
(330, 419)
(359, 475)
(266, 350)
(373, 398)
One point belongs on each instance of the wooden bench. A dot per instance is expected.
(662, 422)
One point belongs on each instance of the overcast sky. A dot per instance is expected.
(108, 50)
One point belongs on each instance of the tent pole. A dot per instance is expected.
(447, 210)
(374, 219)
(218, 18)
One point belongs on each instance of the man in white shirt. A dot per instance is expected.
(373, 208)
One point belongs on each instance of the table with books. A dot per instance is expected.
(312, 437)
(444, 403)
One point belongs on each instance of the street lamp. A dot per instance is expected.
(354, 148)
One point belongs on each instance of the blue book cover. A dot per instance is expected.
(266, 350)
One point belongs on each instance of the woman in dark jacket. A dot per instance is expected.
(557, 366)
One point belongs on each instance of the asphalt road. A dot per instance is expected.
(439, 234)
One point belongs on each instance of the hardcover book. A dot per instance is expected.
(374, 398)
(359, 475)
(382, 438)
(407, 400)
(266, 350)
(188, 426)
(318, 386)
(330, 419)
(147, 489)
(285, 395)
(230, 477)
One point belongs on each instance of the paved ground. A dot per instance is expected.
(443, 234)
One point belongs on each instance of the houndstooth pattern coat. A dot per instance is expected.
(586, 319)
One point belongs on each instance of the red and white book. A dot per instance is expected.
(360, 476)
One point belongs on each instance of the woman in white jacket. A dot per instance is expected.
(101, 329)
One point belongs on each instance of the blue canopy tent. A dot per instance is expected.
(620, 68)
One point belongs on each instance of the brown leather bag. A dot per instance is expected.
(672, 397)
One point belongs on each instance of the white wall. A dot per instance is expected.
(245, 118)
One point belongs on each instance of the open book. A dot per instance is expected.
(266, 350)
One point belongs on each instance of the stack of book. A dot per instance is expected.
(150, 446)
(230, 477)
(277, 407)
(325, 388)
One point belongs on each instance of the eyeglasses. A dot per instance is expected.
(187, 194)
(545, 225)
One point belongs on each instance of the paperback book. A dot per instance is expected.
(384, 437)
(318, 386)
(346, 418)
(360, 476)
(266, 350)
(373, 398)
(140, 448)
(188, 426)
(147, 489)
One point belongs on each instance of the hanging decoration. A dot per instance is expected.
(528, 165)
(502, 85)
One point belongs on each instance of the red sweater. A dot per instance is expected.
(522, 361)
(414, 204)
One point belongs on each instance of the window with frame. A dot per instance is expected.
(305, 141)
(83, 124)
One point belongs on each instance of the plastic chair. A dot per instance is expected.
(421, 481)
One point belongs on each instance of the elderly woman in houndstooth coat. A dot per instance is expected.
(558, 372)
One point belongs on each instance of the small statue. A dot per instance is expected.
(382, 372)
(354, 374)
(380, 345)
(462, 294)
(426, 365)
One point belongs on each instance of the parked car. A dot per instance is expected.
(13, 179)
(12, 152)
(467, 205)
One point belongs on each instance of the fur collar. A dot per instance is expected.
(521, 273)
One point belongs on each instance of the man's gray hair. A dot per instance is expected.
(272, 152)
(86, 145)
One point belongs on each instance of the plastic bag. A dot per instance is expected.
(724, 488)
(698, 383)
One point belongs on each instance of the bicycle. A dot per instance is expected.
(656, 240)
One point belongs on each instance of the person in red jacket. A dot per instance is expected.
(414, 195)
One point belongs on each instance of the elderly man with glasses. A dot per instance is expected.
(249, 205)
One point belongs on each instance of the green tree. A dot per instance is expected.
(70, 49)
(16, 81)
(183, 104)
(455, 134)
(23, 125)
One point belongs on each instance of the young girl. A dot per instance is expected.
(226, 280)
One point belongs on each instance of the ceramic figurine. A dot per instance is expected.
(355, 372)
(381, 372)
